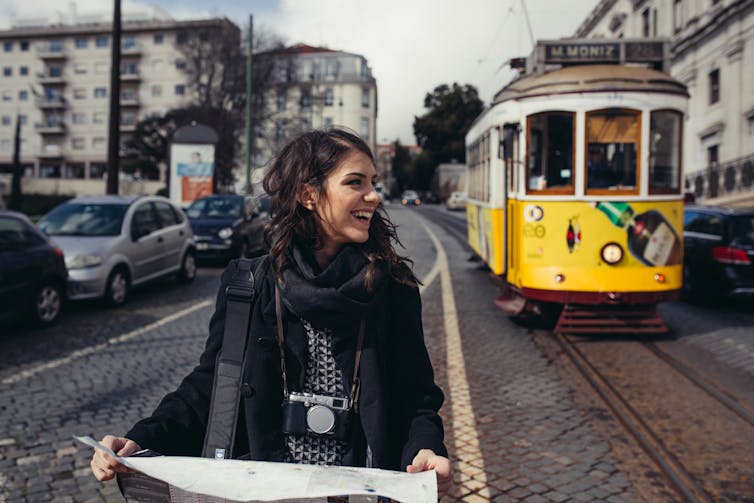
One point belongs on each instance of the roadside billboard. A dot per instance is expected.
(192, 167)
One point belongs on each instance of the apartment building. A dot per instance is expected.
(712, 52)
(55, 79)
(315, 88)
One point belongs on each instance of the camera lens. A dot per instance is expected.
(320, 419)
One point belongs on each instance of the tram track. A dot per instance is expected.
(715, 466)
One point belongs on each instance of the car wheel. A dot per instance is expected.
(188, 267)
(117, 287)
(48, 304)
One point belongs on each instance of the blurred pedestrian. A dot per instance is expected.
(347, 301)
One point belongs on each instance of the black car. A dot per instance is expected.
(32, 272)
(718, 251)
(227, 226)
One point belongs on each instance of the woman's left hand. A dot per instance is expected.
(426, 459)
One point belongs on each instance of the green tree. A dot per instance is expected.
(400, 166)
(441, 130)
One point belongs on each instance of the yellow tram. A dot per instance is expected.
(574, 184)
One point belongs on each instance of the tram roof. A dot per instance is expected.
(591, 79)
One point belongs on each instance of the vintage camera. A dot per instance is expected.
(318, 414)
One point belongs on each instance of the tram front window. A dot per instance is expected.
(550, 152)
(612, 145)
(665, 152)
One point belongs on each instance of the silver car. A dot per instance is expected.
(113, 243)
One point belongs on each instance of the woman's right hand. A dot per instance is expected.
(105, 466)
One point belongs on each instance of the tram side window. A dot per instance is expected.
(550, 148)
(665, 152)
(612, 146)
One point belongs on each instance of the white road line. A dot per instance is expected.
(114, 340)
(458, 383)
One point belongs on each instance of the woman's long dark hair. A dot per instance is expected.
(309, 159)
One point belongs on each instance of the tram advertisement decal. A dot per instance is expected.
(573, 233)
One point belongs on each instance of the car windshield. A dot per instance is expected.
(84, 219)
(742, 229)
(215, 207)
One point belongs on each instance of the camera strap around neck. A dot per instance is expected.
(355, 382)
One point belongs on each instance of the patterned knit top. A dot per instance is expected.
(322, 378)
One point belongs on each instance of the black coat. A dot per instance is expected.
(398, 401)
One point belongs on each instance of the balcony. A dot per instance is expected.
(130, 49)
(48, 51)
(50, 152)
(46, 78)
(130, 77)
(51, 103)
(129, 101)
(50, 127)
(128, 128)
(725, 183)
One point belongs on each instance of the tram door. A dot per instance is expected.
(511, 158)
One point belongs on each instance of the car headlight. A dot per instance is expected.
(82, 261)
(225, 233)
(612, 253)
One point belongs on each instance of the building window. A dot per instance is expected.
(306, 98)
(329, 97)
(130, 68)
(24, 45)
(365, 97)
(98, 143)
(79, 93)
(81, 42)
(180, 64)
(5, 145)
(22, 119)
(364, 128)
(181, 38)
(23, 95)
(8, 46)
(158, 38)
(6, 120)
(714, 86)
(180, 90)
(156, 90)
(128, 95)
(101, 41)
(100, 92)
(55, 71)
(128, 42)
(712, 156)
(79, 69)
(99, 118)
(327, 123)
(645, 22)
(331, 69)
(677, 15)
(23, 70)
(279, 130)
(364, 68)
(79, 118)
(78, 143)
(7, 96)
(305, 126)
(281, 100)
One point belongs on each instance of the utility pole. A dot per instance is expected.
(249, 136)
(113, 137)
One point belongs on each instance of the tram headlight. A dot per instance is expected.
(612, 253)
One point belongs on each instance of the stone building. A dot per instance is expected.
(315, 88)
(55, 79)
(712, 52)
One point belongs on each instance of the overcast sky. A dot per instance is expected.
(411, 45)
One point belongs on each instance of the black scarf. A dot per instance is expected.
(335, 297)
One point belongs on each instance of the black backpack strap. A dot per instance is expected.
(223, 411)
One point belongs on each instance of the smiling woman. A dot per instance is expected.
(343, 311)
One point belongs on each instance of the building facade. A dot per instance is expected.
(55, 80)
(712, 52)
(315, 88)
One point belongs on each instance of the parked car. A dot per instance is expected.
(456, 201)
(114, 243)
(32, 272)
(410, 198)
(228, 226)
(718, 251)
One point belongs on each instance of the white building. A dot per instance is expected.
(712, 52)
(316, 88)
(56, 79)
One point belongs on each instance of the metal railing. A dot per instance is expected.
(729, 178)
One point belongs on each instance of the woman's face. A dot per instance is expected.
(349, 200)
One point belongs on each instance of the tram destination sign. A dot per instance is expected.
(603, 52)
